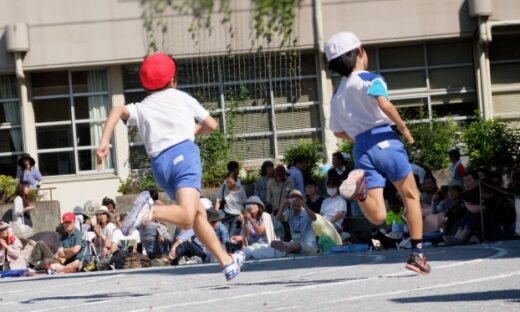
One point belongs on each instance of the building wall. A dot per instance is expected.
(78, 34)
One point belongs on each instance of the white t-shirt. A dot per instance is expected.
(331, 206)
(235, 200)
(124, 241)
(107, 231)
(354, 108)
(18, 210)
(165, 118)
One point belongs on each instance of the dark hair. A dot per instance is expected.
(108, 201)
(345, 63)
(299, 159)
(311, 182)
(232, 166)
(19, 192)
(265, 165)
(233, 175)
(333, 181)
(122, 216)
(339, 155)
(153, 194)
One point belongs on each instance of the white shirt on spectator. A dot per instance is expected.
(106, 231)
(124, 241)
(166, 118)
(234, 199)
(331, 206)
(18, 210)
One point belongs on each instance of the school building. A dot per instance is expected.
(65, 63)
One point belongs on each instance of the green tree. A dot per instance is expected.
(311, 150)
(433, 140)
(491, 143)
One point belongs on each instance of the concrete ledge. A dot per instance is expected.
(45, 217)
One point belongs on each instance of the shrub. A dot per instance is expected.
(136, 183)
(433, 140)
(491, 143)
(215, 154)
(7, 187)
(311, 150)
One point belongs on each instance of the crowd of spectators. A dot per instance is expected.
(279, 219)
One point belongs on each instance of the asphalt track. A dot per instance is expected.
(467, 278)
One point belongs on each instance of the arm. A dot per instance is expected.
(36, 174)
(208, 125)
(71, 252)
(392, 113)
(309, 211)
(343, 135)
(259, 228)
(338, 216)
(117, 113)
(17, 207)
(279, 215)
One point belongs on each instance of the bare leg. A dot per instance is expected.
(410, 195)
(373, 206)
(189, 213)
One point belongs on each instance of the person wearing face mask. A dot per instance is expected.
(334, 207)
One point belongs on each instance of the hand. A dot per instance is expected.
(3, 244)
(161, 238)
(407, 135)
(241, 218)
(105, 252)
(247, 215)
(101, 155)
(171, 254)
(97, 229)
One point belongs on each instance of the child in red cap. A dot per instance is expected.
(165, 120)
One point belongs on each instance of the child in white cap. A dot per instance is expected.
(362, 113)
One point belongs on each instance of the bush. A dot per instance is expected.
(215, 153)
(312, 151)
(433, 140)
(345, 146)
(7, 187)
(137, 183)
(491, 143)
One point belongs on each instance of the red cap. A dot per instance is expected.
(68, 217)
(156, 71)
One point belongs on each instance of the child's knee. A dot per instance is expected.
(377, 217)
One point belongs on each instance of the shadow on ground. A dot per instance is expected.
(87, 298)
(512, 295)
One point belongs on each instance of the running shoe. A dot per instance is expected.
(232, 270)
(141, 213)
(417, 263)
(353, 188)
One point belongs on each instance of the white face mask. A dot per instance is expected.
(332, 191)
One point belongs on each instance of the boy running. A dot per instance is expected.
(166, 122)
(361, 112)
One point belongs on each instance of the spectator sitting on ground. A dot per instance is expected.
(187, 245)
(266, 173)
(334, 207)
(429, 188)
(103, 231)
(299, 216)
(313, 198)
(277, 189)
(21, 205)
(28, 172)
(257, 230)
(395, 215)
(111, 206)
(124, 242)
(456, 167)
(155, 239)
(231, 198)
(339, 171)
(83, 222)
(71, 253)
(296, 172)
(10, 250)
(214, 218)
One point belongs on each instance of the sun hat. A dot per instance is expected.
(341, 43)
(214, 215)
(255, 200)
(26, 157)
(206, 203)
(68, 217)
(4, 225)
(103, 210)
(295, 193)
(156, 71)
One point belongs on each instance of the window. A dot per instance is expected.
(273, 95)
(505, 69)
(433, 79)
(11, 144)
(70, 108)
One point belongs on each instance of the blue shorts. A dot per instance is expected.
(380, 152)
(178, 166)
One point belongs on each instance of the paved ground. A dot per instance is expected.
(473, 278)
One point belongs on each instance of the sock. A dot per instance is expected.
(417, 246)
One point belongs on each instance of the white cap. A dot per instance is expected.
(206, 203)
(340, 44)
